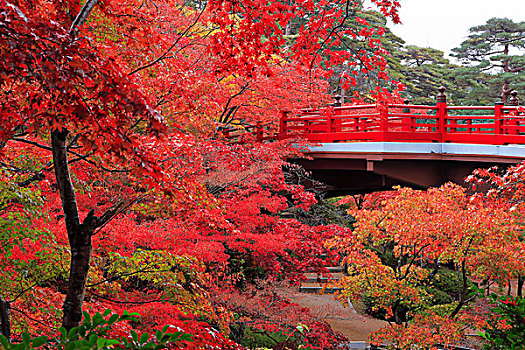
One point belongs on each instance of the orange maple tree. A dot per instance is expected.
(400, 244)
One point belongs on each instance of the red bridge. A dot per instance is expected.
(374, 147)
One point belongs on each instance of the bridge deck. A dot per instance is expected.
(373, 147)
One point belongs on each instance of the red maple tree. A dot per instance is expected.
(110, 114)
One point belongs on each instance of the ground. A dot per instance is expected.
(342, 319)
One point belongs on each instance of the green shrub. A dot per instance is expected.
(444, 309)
(260, 339)
(446, 281)
(93, 333)
(438, 297)
(509, 311)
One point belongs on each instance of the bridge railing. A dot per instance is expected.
(496, 124)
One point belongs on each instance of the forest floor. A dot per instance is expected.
(343, 319)
(347, 321)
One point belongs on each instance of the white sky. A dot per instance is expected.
(444, 24)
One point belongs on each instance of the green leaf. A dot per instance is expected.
(166, 338)
(151, 345)
(134, 335)
(98, 320)
(39, 341)
(87, 319)
(185, 337)
(113, 318)
(26, 339)
(100, 343)
(93, 339)
(107, 312)
(63, 332)
(110, 342)
(73, 333)
(144, 337)
(3, 341)
(127, 316)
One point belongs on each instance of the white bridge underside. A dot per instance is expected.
(452, 150)
(360, 167)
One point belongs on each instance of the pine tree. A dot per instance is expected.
(493, 56)
(424, 70)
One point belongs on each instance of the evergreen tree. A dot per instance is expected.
(373, 23)
(493, 59)
(423, 71)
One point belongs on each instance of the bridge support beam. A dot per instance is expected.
(350, 169)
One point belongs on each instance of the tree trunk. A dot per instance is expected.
(288, 29)
(462, 289)
(505, 90)
(521, 280)
(5, 325)
(79, 235)
(395, 312)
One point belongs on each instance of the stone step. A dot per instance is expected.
(317, 288)
(335, 269)
(313, 277)
(354, 345)
(318, 279)
(314, 282)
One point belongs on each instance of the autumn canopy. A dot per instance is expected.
(131, 179)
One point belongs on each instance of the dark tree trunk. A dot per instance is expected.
(288, 29)
(521, 280)
(395, 312)
(5, 325)
(79, 235)
(505, 90)
(461, 277)
(237, 330)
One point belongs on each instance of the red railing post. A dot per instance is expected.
(282, 125)
(306, 127)
(383, 121)
(406, 121)
(259, 132)
(514, 123)
(498, 120)
(335, 123)
(441, 113)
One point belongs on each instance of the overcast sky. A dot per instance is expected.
(444, 24)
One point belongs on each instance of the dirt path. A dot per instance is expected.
(342, 319)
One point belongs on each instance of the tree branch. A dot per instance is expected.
(82, 16)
